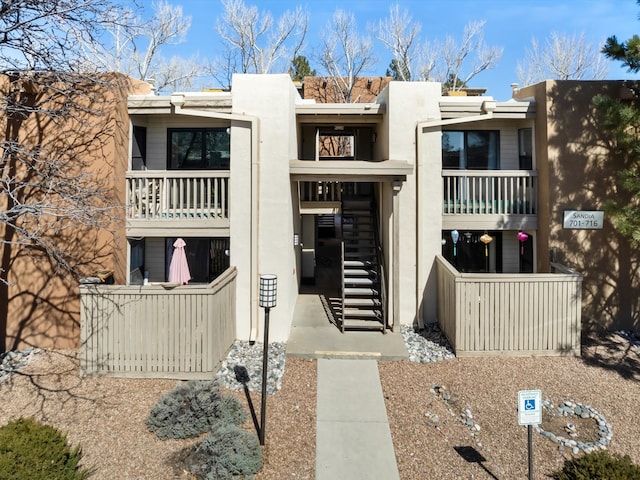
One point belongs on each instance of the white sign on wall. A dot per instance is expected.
(583, 220)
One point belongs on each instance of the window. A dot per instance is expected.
(471, 255)
(470, 150)
(139, 148)
(198, 148)
(207, 257)
(525, 148)
(136, 262)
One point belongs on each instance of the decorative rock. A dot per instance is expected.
(244, 354)
(14, 360)
(567, 408)
(427, 345)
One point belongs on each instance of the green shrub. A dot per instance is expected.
(227, 452)
(599, 465)
(193, 408)
(32, 451)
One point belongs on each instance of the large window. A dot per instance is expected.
(470, 254)
(525, 148)
(207, 257)
(470, 150)
(198, 148)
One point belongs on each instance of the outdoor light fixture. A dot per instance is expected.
(522, 237)
(454, 236)
(268, 291)
(486, 239)
(267, 300)
(443, 241)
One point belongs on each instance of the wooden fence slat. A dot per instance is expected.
(182, 332)
(509, 314)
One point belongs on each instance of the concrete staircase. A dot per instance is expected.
(362, 276)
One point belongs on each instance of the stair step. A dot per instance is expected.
(361, 302)
(359, 281)
(361, 313)
(346, 212)
(360, 291)
(367, 256)
(361, 324)
(357, 272)
(356, 264)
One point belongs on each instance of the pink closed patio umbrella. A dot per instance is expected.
(179, 268)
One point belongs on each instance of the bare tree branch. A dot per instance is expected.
(135, 45)
(562, 57)
(254, 44)
(399, 34)
(345, 54)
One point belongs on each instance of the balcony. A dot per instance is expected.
(158, 201)
(510, 314)
(156, 331)
(490, 198)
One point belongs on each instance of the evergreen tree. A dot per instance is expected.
(621, 120)
(398, 71)
(300, 68)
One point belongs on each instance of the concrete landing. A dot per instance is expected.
(353, 439)
(314, 336)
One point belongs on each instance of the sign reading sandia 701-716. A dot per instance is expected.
(583, 220)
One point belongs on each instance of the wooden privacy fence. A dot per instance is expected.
(157, 331)
(512, 314)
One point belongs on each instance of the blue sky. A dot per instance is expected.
(509, 24)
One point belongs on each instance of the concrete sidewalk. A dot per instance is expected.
(353, 439)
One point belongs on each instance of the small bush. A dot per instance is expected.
(227, 452)
(599, 465)
(193, 408)
(32, 451)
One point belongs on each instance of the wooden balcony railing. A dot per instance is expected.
(177, 195)
(326, 191)
(510, 314)
(490, 192)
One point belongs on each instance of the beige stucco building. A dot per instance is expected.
(390, 180)
(409, 209)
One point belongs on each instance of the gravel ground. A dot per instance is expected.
(106, 415)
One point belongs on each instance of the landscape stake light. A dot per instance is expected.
(267, 300)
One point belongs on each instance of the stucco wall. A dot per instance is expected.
(578, 172)
(41, 305)
(271, 98)
(419, 218)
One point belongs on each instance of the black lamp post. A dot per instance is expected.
(267, 300)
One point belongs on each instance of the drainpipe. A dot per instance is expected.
(424, 195)
(178, 101)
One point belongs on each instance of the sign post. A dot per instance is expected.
(529, 414)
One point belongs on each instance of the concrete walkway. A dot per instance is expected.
(314, 336)
(353, 439)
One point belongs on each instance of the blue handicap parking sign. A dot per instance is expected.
(530, 404)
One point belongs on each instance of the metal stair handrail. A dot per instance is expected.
(380, 257)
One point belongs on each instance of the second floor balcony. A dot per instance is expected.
(499, 198)
(161, 200)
